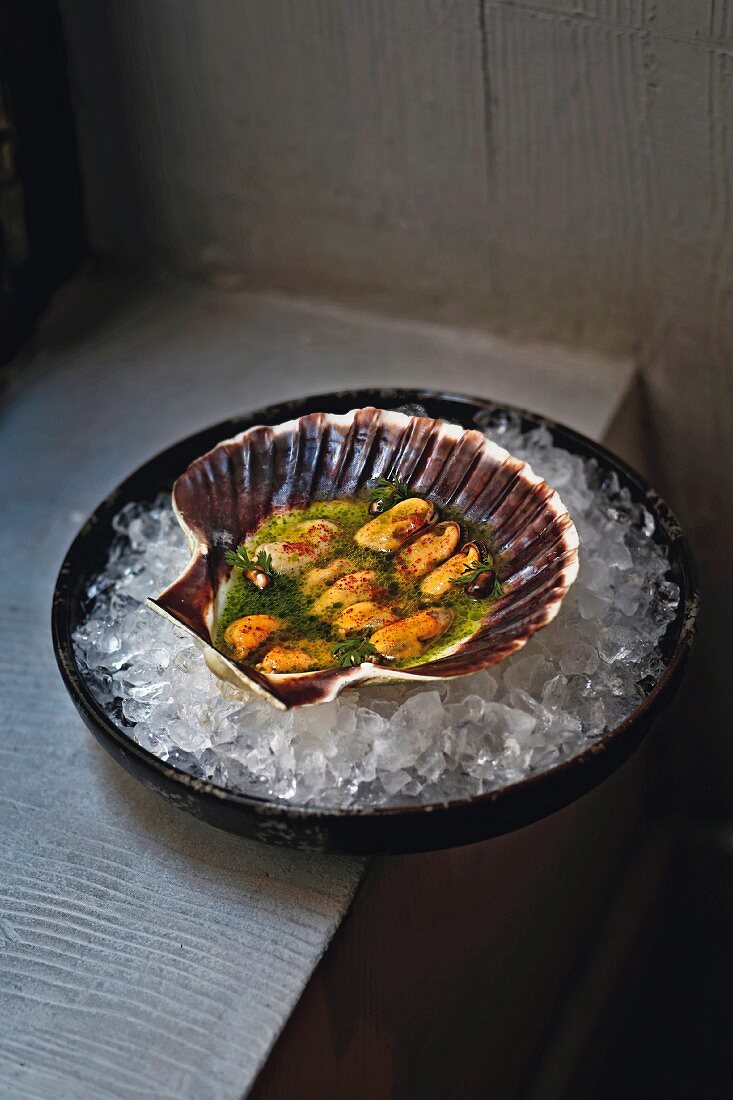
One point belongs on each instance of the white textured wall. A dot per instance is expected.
(560, 168)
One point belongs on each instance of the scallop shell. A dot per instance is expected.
(224, 496)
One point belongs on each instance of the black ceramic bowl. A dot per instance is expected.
(380, 830)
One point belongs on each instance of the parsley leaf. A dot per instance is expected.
(353, 651)
(240, 558)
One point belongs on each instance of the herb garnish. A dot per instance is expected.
(472, 573)
(353, 651)
(389, 491)
(262, 563)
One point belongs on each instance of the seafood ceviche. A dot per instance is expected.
(383, 578)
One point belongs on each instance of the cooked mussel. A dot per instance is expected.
(258, 577)
(427, 550)
(389, 531)
(302, 656)
(347, 590)
(407, 639)
(290, 555)
(248, 634)
(322, 575)
(480, 576)
(318, 532)
(441, 580)
(364, 616)
(309, 542)
(483, 585)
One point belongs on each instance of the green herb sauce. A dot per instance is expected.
(285, 599)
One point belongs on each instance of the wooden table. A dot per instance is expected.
(144, 953)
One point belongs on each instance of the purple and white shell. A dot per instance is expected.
(225, 495)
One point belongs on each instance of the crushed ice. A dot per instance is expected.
(393, 745)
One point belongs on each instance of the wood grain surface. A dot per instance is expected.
(141, 952)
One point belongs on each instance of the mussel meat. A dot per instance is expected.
(289, 556)
(302, 656)
(323, 575)
(407, 639)
(389, 531)
(364, 616)
(427, 550)
(248, 634)
(309, 542)
(481, 585)
(441, 580)
(318, 532)
(347, 590)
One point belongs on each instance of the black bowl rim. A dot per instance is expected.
(618, 742)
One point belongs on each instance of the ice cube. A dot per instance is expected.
(400, 743)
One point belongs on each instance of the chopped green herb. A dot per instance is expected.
(353, 651)
(286, 597)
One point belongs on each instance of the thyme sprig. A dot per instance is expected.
(262, 563)
(389, 491)
(353, 651)
(477, 569)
